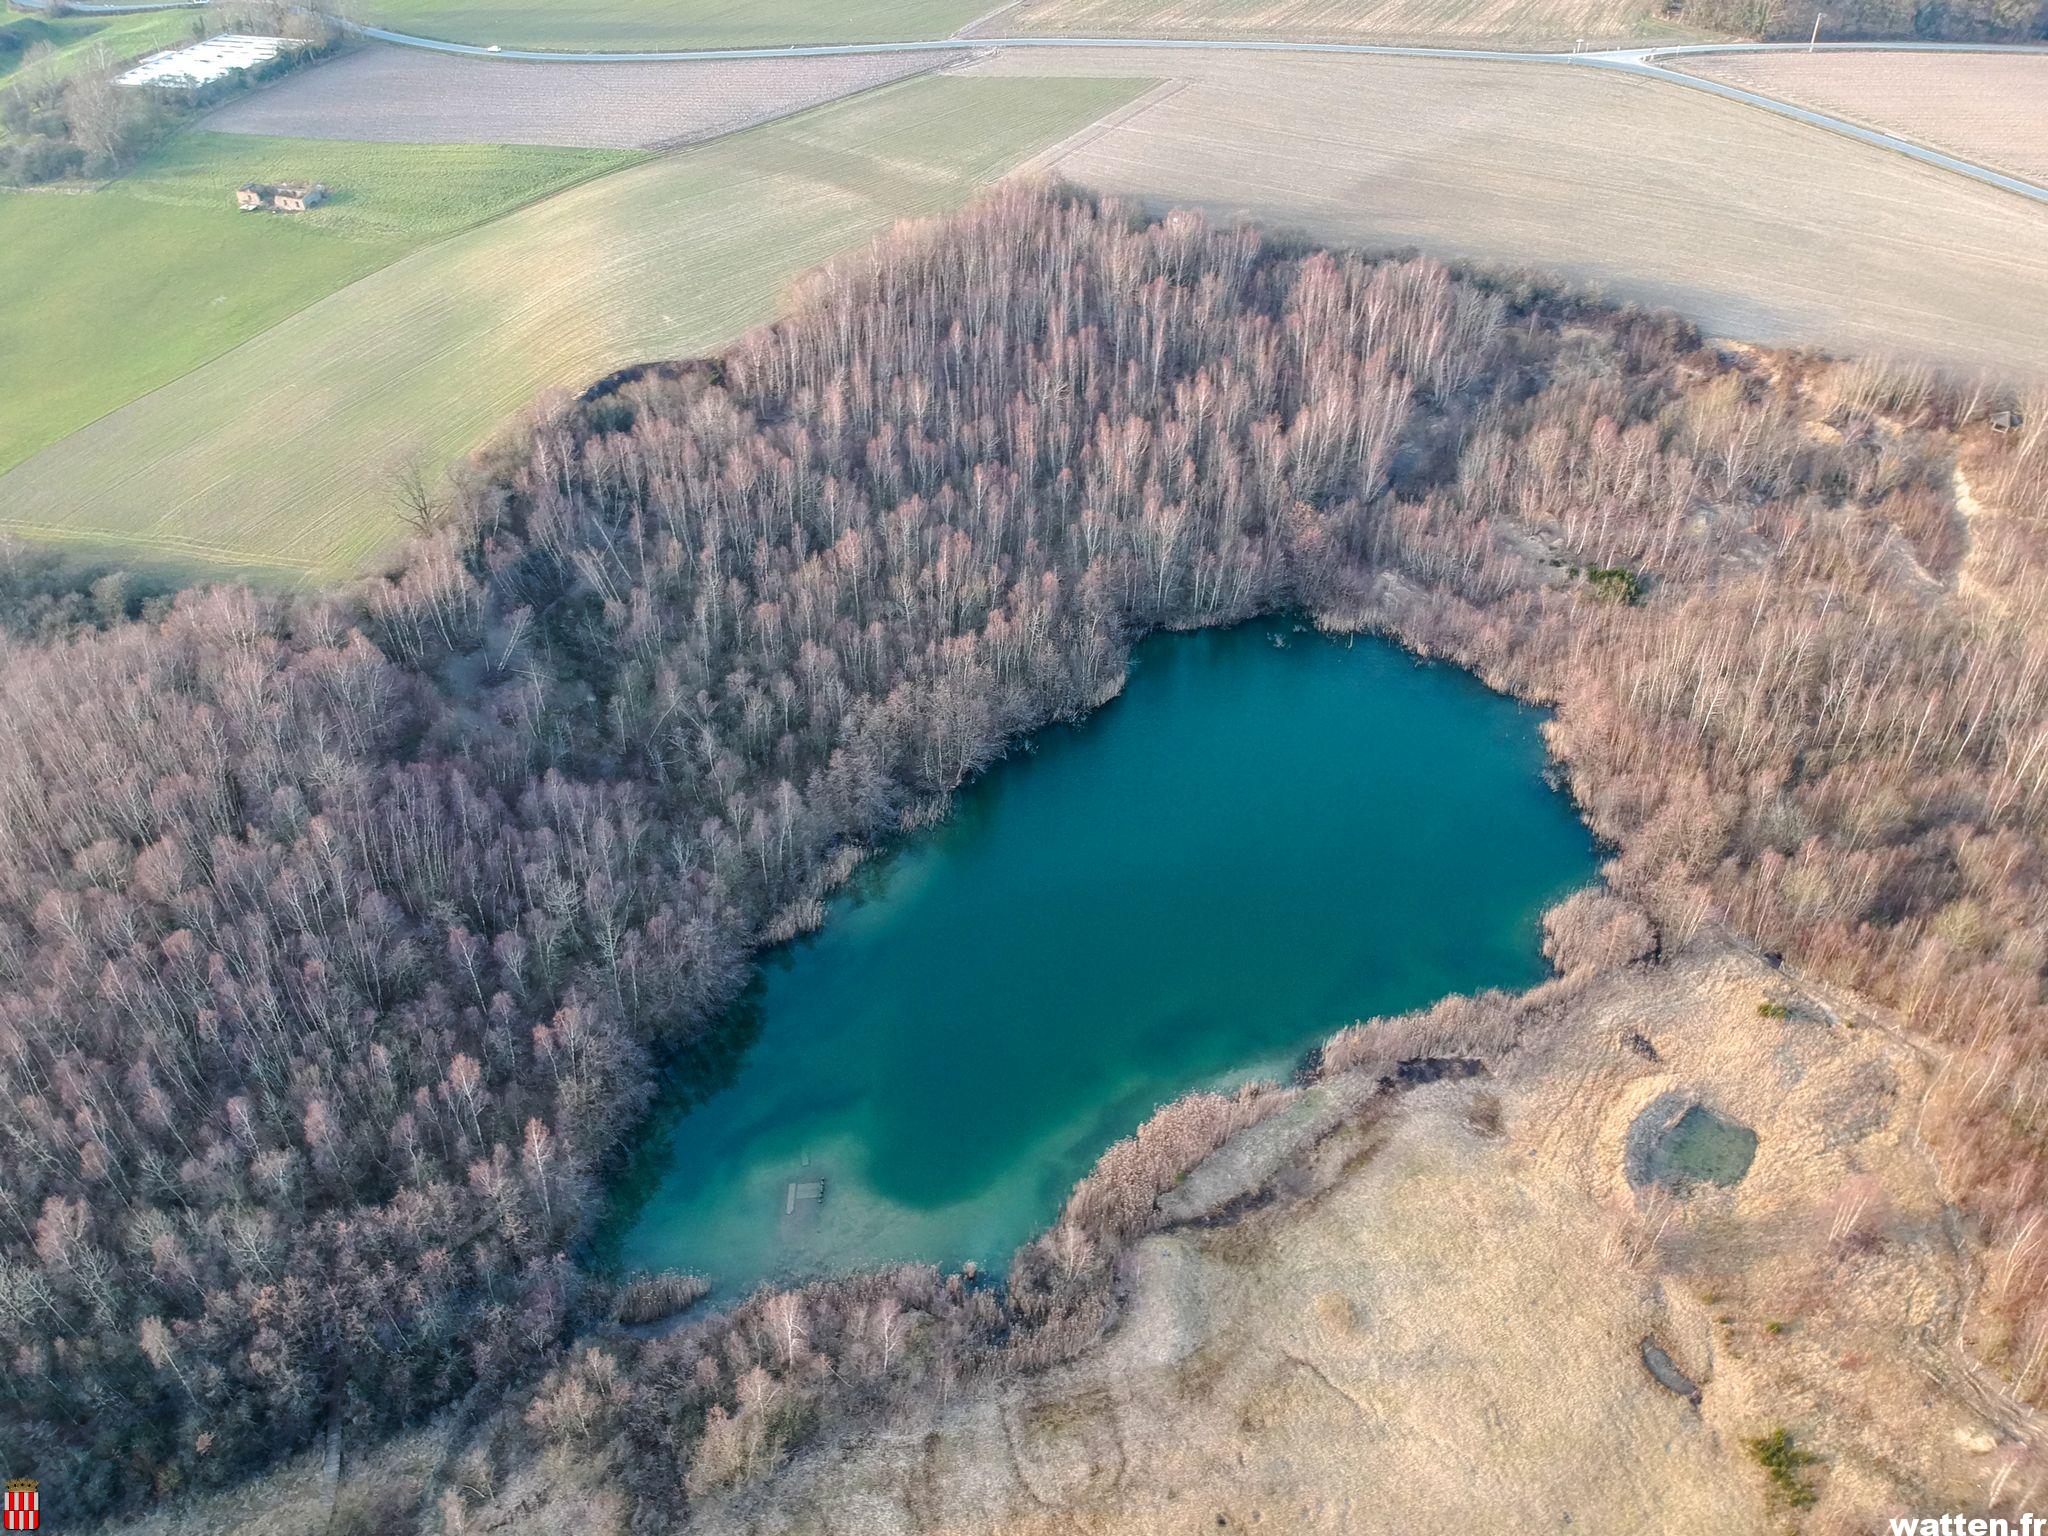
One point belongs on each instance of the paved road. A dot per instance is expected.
(1643, 62)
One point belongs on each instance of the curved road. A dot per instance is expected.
(1641, 62)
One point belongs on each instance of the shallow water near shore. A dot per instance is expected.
(1268, 835)
(1703, 1148)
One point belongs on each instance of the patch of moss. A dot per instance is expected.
(1785, 1464)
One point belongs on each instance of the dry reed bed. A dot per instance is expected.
(1441, 1307)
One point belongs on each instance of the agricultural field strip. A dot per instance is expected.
(179, 276)
(1991, 111)
(427, 358)
(1748, 224)
(399, 95)
(1635, 61)
(81, 8)
(597, 25)
(1529, 24)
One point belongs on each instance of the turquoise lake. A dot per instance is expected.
(1268, 835)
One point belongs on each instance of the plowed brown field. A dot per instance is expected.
(402, 95)
(1989, 108)
(1756, 227)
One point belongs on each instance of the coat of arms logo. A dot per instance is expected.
(24, 1511)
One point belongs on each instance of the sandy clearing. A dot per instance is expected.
(405, 96)
(1988, 108)
(1757, 228)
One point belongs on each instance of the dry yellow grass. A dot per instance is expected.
(1438, 1335)
(1433, 1323)
(1532, 24)
(1756, 227)
(1988, 108)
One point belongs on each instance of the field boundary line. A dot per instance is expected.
(1829, 122)
(939, 64)
(1641, 61)
(1946, 147)
(1047, 159)
(54, 533)
(1624, 54)
(988, 16)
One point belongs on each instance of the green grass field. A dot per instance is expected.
(76, 40)
(277, 457)
(596, 25)
(107, 295)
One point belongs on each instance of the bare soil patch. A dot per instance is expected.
(404, 95)
(1756, 228)
(1991, 109)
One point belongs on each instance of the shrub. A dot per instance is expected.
(1614, 584)
(1785, 1464)
(1595, 930)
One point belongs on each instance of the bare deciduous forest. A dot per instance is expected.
(340, 936)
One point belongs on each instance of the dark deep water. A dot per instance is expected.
(1252, 847)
